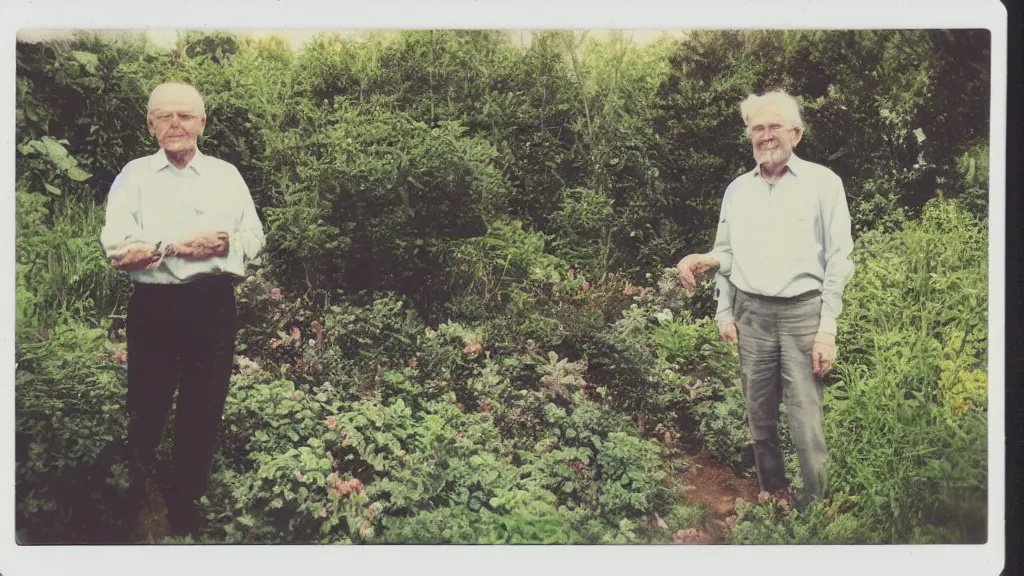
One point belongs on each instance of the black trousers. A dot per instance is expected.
(180, 337)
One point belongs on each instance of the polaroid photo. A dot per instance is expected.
(549, 287)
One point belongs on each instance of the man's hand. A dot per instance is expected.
(823, 353)
(727, 330)
(692, 266)
(200, 246)
(137, 256)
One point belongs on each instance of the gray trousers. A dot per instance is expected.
(775, 337)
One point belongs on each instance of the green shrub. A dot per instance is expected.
(70, 428)
(907, 418)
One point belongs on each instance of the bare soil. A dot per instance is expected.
(713, 484)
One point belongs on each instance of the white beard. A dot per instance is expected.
(772, 156)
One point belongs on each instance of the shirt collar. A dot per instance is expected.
(159, 161)
(794, 166)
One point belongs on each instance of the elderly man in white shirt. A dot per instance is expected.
(782, 254)
(183, 225)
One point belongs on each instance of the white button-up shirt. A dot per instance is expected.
(152, 201)
(785, 240)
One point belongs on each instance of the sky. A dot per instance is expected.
(166, 38)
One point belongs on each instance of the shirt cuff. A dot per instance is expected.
(724, 262)
(723, 315)
(827, 325)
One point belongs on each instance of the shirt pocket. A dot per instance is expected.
(213, 214)
(798, 231)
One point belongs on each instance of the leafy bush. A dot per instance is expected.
(912, 385)
(70, 427)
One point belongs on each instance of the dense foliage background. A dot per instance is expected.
(464, 328)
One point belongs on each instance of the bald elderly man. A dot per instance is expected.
(782, 255)
(182, 225)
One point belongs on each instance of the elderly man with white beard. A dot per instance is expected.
(182, 224)
(782, 255)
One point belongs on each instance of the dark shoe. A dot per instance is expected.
(184, 519)
(151, 524)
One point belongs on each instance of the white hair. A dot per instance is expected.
(176, 91)
(787, 104)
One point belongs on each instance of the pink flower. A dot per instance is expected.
(275, 343)
(275, 293)
(299, 365)
(341, 487)
(586, 286)
(643, 291)
(296, 335)
(331, 421)
(371, 512)
(299, 476)
(294, 397)
(473, 348)
(402, 453)
(42, 335)
(355, 485)
(323, 511)
(629, 290)
(364, 529)
(121, 356)
(412, 362)
(484, 407)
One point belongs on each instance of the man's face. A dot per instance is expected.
(176, 125)
(772, 136)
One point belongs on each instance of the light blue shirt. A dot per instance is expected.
(152, 201)
(785, 240)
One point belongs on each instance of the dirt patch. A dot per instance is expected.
(713, 484)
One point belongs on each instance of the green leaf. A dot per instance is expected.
(78, 175)
(87, 59)
(53, 189)
(54, 149)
